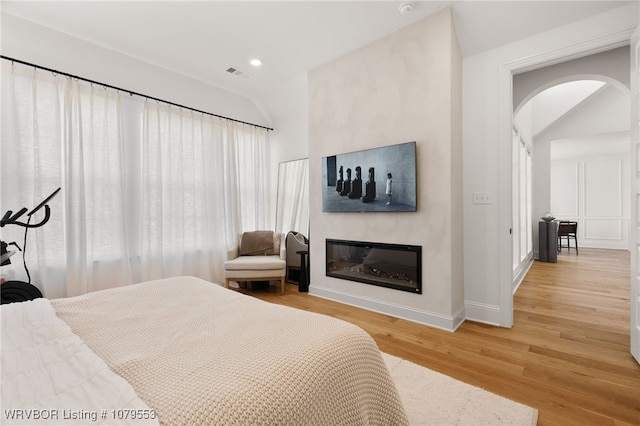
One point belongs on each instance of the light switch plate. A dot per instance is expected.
(482, 198)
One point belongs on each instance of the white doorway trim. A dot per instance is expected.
(635, 194)
(507, 70)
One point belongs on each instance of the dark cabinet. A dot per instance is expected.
(548, 241)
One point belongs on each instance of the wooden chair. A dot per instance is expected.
(567, 230)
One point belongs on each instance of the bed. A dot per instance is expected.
(185, 351)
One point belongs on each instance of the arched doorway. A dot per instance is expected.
(576, 132)
(625, 130)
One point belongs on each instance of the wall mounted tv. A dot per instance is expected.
(358, 181)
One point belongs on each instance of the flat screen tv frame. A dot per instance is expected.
(358, 181)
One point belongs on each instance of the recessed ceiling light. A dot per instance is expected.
(256, 62)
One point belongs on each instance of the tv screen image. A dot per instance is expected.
(373, 180)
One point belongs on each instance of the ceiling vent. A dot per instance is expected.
(237, 72)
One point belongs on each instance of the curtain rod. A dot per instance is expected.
(130, 92)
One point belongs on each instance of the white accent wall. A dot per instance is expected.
(404, 87)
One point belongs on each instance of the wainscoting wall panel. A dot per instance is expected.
(603, 188)
(603, 229)
(594, 192)
(564, 190)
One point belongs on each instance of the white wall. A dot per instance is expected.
(487, 123)
(30, 42)
(287, 107)
(404, 87)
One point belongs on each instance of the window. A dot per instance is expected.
(148, 190)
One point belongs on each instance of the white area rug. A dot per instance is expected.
(432, 398)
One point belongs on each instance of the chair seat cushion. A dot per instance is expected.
(255, 263)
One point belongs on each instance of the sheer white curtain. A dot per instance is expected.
(247, 181)
(59, 133)
(170, 201)
(203, 182)
(292, 209)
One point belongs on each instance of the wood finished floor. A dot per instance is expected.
(567, 354)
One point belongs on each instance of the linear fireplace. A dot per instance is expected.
(395, 266)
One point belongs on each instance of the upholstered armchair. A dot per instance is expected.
(259, 256)
(295, 242)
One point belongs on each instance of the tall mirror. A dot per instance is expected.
(292, 205)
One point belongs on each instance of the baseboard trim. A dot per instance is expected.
(482, 312)
(521, 273)
(443, 322)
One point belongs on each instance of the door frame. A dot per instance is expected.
(634, 223)
(507, 70)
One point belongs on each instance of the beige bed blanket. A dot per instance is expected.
(201, 354)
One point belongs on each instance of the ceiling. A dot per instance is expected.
(557, 101)
(202, 39)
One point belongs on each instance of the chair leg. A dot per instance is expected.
(282, 279)
(226, 283)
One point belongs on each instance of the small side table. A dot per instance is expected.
(303, 285)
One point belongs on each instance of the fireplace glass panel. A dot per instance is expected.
(388, 265)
